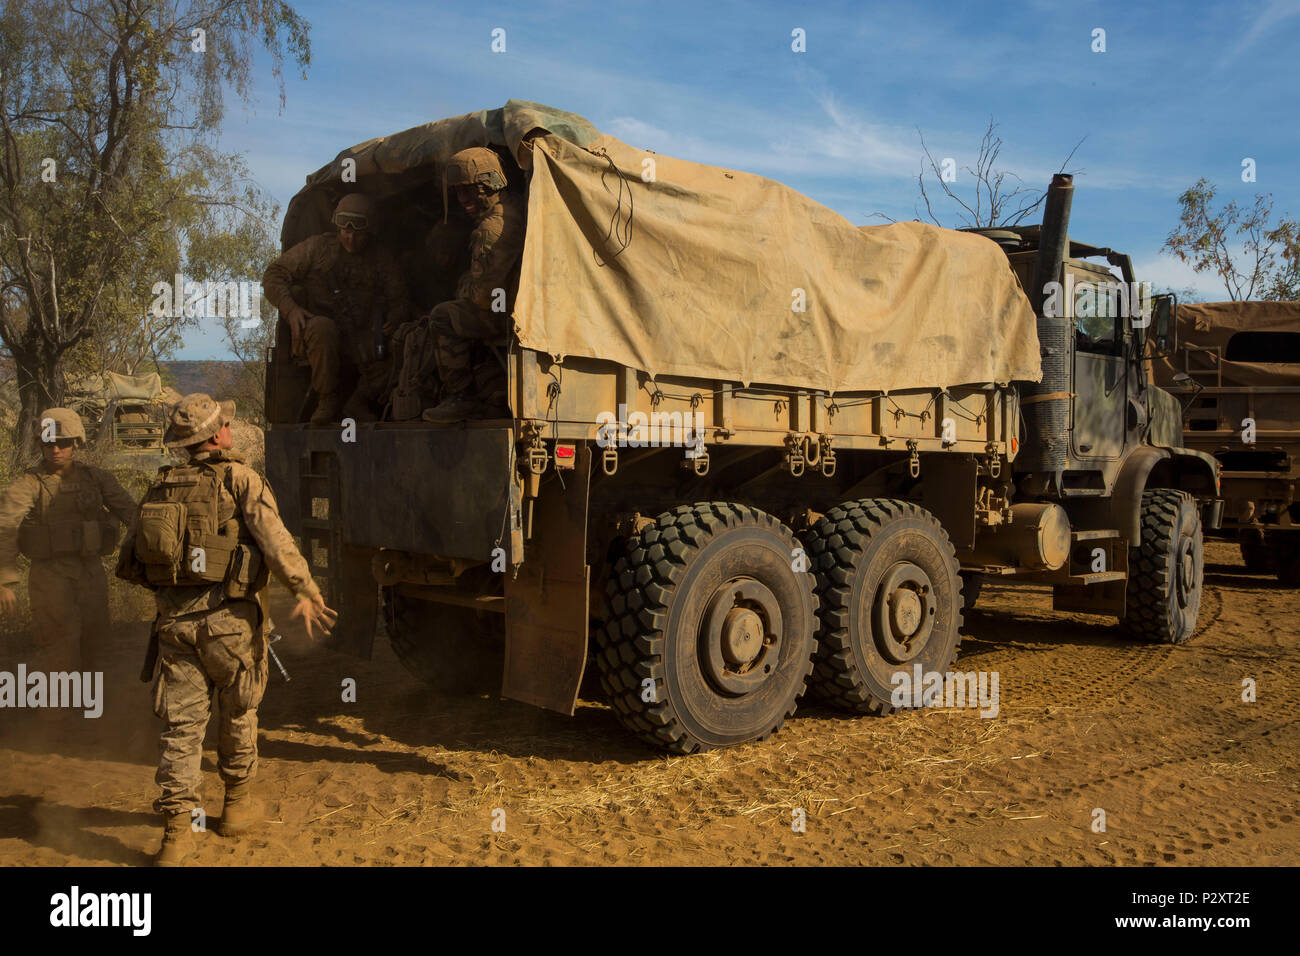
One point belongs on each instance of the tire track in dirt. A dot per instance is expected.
(1101, 673)
(1207, 753)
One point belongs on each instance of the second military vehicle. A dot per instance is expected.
(1237, 371)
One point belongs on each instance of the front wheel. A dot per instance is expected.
(1166, 569)
(709, 637)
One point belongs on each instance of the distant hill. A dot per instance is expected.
(210, 377)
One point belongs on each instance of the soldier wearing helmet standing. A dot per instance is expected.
(206, 541)
(63, 515)
(484, 292)
(348, 301)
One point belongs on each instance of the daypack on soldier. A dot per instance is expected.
(182, 539)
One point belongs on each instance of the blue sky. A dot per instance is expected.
(1182, 91)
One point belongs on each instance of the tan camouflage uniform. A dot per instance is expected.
(495, 247)
(208, 642)
(68, 591)
(346, 293)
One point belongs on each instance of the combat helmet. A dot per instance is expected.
(54, 424)
(356, 210)
(478, 165)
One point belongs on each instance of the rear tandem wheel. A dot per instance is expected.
(709, 637)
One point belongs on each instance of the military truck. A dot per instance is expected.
(124, 416)
(862, 423)
(1237, 372)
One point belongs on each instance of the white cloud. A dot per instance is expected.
(1273, 14)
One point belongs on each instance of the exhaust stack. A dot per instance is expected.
(1046, 405)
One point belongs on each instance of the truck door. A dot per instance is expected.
(1100, 381)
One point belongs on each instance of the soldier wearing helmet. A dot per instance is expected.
(484, 245)
(343, 296)
(63, 515)
(207, 539)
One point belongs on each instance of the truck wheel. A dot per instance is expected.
(890, 593)
(1166, 569)
(1254, 550)
(971, 586)
(709, 637)
(455, 650)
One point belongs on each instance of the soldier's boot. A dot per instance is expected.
(327, 409)
(453, 408)
(241, 811)
(177, 842)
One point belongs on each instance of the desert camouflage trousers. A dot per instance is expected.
(443, 343)
(219, 654)
(69, 599)
(336, 364)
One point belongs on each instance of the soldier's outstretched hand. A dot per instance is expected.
(8, 600)
(314, 612)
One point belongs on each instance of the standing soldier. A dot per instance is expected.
(207, 535)
(58, 515)
(351, 298)
(481, 308)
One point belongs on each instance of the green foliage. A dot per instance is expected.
(1253, 257)
(116, 95)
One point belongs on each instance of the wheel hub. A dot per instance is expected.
(740, 636)
(903, 612)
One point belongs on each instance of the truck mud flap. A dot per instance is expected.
(547, 602)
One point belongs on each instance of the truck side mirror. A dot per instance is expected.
(1165, 326)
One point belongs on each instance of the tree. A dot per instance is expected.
(1266, 260)
(1000, 197)
(109, 178)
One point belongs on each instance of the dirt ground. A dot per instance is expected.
(1156, 737)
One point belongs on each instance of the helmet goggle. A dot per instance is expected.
(356, 221)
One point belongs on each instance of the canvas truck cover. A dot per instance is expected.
(1217, 326)
(702, 271)
(145, 387)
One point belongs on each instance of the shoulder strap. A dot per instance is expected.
(221, 468)
(44, 496)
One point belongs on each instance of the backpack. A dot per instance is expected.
(181, 539)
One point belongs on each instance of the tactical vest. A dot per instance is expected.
(68, 520)
(186, 536)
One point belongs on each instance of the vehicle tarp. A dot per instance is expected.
(677, 268)
(1213, 331)
(146, 387)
